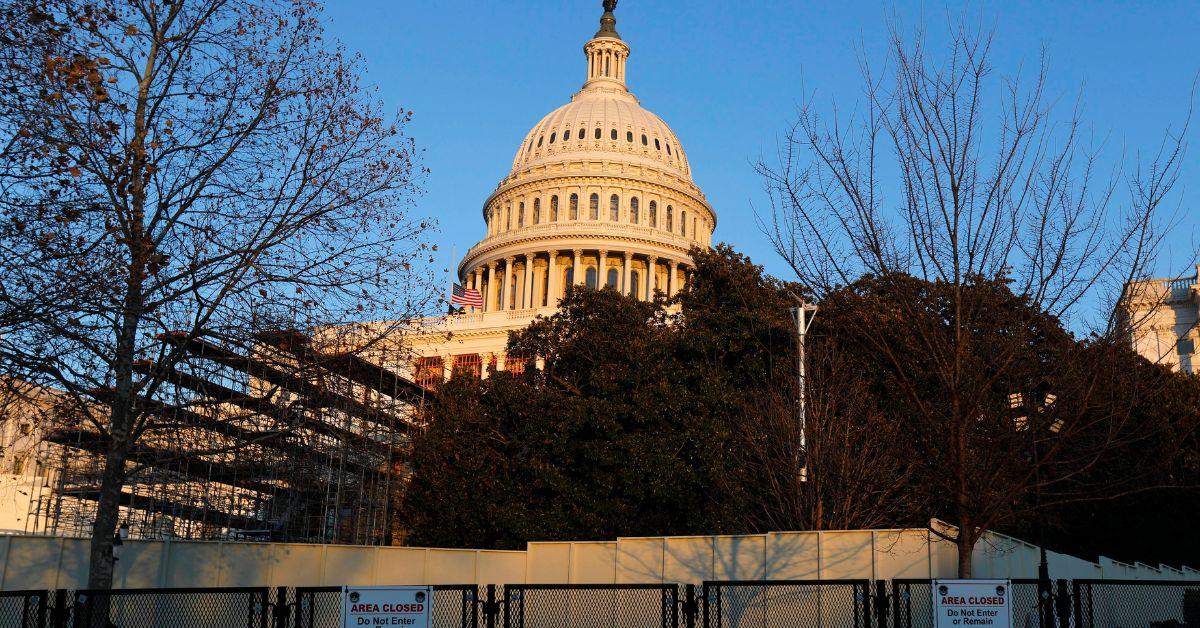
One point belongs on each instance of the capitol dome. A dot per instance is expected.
(600, 193)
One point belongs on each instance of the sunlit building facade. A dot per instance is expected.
(600, 193)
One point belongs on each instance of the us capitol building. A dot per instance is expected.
(600, 193)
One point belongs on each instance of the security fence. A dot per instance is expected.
(716, 604)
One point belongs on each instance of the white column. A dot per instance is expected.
(651, 266)
(508, 269)
(552, 280)
(672, 282)
(601, 271)
(491, 287)
(528, 300)
(625, 289)
(578, 269)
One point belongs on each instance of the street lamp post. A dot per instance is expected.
(803, 313)
(1023, 423)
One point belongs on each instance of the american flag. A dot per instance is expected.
(465, 296)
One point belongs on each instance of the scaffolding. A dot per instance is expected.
(280, 440)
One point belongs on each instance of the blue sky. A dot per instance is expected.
(728, 76)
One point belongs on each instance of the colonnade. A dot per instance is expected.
(540, 278)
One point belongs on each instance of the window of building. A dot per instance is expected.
(515, 363)
(554, 208)
(568, 277)
(429, 371)
(612, 279)
(634, 283)
(594, 207)
(540, 137)
(614, 208)
(670, 218)
(693, 228)
(683, 223)
(629, 136)
(668, 148)
(654, 214)
(537, 210)
(521, 214)
(597, 132)
(508, 217)
(512, 291)
(645, 141)
(468, 365)
(633, 210)
(552, 136)
(657, 146)
(1185, 346)
(566, 135)
(613, 135)
(574, 209)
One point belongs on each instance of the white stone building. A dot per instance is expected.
(1162, 315)
(600, 193)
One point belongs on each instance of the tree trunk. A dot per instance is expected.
(108, 511)
(966, 543)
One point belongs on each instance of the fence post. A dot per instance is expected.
(281, 610)
(1062, 604)
(490, 607)
(58, 612)
(881, 603)
(690, 606)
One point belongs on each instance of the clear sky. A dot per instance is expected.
(727, 76)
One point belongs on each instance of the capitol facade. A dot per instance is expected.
(600, 193)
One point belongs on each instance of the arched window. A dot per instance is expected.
(634, 283)
(657, 146)
(683, 223)
(537, 210)
(512, 292)
(629, 136)
(567, 135)
(520, 215)
(614, 208)
(613, 135)
(540, 137)
(597, 132)
(574, 209)
(568, 277)
(654, 214)
(554, 208)
(552, 136)
(594, 207)
(591, 277)
(694, 234)
(508, 217)
(633, 210)
(644, 140)
(612, 279)
(670, 218)
(668, 148)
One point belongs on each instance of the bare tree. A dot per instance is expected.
(194, 168)
(849, 478)
(961, 179)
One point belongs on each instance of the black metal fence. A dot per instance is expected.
(717, 604)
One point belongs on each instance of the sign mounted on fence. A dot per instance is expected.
(408, 607)
(959, 603)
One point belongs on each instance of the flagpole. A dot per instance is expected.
(450, 284)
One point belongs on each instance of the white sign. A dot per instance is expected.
(407, 607)
(958, 603)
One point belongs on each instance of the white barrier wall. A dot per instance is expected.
(39, 562)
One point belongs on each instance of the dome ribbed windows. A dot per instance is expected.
(554, 208)
(633, 210)
(613, 135)
(594, 207)
(574, 211)
(614, 208)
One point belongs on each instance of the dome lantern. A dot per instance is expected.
(606, 54)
